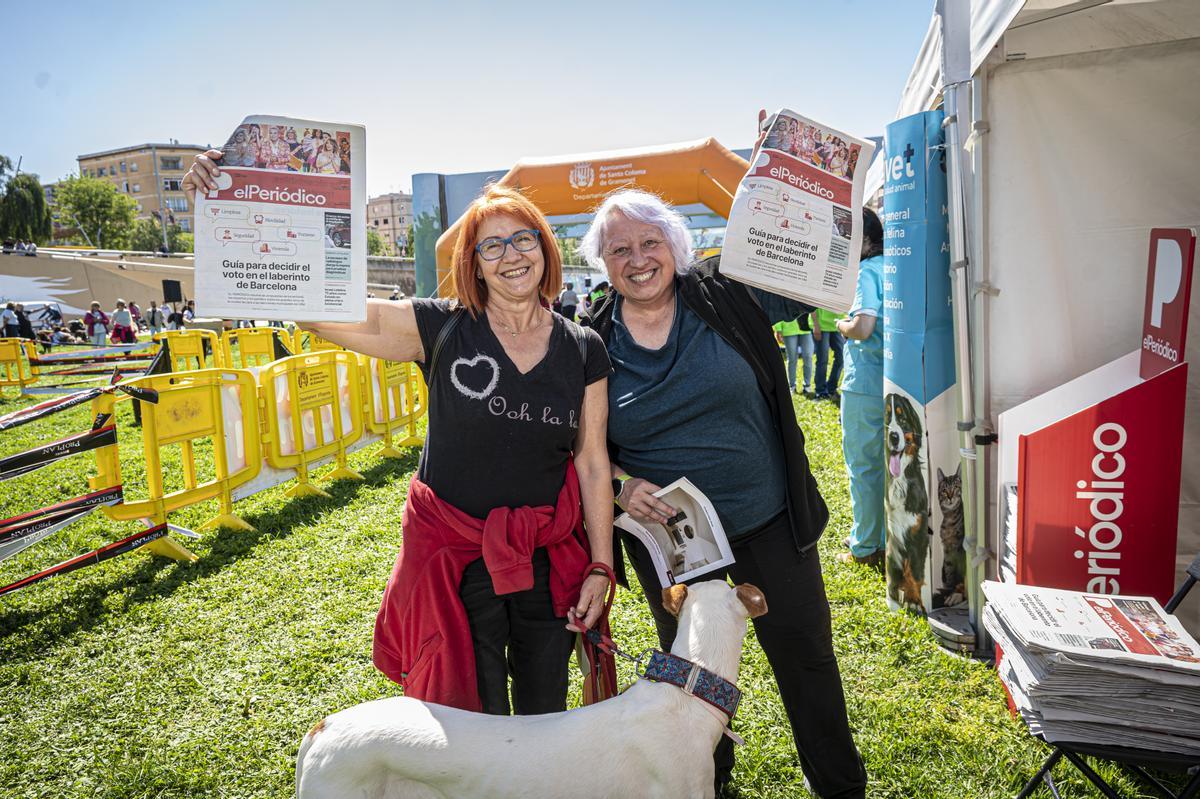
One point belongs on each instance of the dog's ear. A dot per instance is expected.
(673, 597)
(752, 599)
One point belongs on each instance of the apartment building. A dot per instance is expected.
(149, 173)
(391, 216)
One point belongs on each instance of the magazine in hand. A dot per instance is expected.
(691, 544)
(283, 236)
(795, 228)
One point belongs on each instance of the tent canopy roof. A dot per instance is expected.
(1039, 29)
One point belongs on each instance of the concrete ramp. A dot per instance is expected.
(74, 279)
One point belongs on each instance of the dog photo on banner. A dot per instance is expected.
(926, 562)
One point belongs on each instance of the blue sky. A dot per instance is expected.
(445, 86)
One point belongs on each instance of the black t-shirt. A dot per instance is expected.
(499, 438)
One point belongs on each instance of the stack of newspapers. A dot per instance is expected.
(1097, 669)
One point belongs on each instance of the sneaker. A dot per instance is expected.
(874, 560)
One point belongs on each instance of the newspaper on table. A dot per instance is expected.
(795, 228)
(1097, 668)
(284, 234)
(691, 544)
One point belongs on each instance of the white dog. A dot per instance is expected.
(653, 740)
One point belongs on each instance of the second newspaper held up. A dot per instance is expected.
(796, 224)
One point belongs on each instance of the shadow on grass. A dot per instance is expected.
(27, 632)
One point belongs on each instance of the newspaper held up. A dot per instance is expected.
(795, 228)
(284, 234)
(692, 543)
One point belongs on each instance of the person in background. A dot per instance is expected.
(788, 333)
(154, 318)
(827, 340)
(862, 403)
(24, 326)
(805, 346)
(136, 313)
(9, 318)
(189, 312)
(122, 322)
(569, 301)
(96, 322)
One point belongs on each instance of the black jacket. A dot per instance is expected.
(731, 310)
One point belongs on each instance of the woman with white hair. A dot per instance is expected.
(699, 391)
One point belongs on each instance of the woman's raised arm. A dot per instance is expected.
(390, 332)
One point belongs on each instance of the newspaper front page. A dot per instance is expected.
(1097, 668)
(284, 235)
(1126, 629)
(795, 228)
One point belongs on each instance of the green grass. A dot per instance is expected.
(145, 678)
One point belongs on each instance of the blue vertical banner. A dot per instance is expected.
(925, 566)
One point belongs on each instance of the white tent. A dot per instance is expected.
(1077, 131)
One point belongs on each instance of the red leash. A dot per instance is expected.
(597, 648)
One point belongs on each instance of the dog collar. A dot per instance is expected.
(699, 682)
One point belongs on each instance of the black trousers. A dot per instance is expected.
(797, 638)
(517, 635)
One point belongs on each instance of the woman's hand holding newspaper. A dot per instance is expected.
(637, 498)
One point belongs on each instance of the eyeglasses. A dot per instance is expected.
(493, 249)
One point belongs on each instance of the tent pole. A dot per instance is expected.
(956, 75)
(981, 561)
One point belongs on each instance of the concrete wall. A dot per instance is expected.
(384, 273)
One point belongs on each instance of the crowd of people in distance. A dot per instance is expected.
(282, 148)
(121, 325)
(20, 247)
(577, 305)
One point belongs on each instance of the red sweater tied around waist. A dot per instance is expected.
(422, 639)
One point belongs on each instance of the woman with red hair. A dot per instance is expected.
(512, 501)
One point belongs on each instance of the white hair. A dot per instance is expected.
(640, 206)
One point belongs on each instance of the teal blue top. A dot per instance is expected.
(863, 360)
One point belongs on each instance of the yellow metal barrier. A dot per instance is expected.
(312, 409)
(187, 348)
(15, 369)
(216, 404)
(396, 399)
(255, 346)
(108, 467)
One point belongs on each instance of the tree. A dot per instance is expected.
(375, 243)
(6, 166)
(103, 215)
(23, 210)
(146, 234)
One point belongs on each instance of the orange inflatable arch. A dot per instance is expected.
(701, 171)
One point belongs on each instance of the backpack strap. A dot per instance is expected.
(443, 335)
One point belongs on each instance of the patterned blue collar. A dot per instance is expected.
(694, 680)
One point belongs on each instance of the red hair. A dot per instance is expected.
(496, 200)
